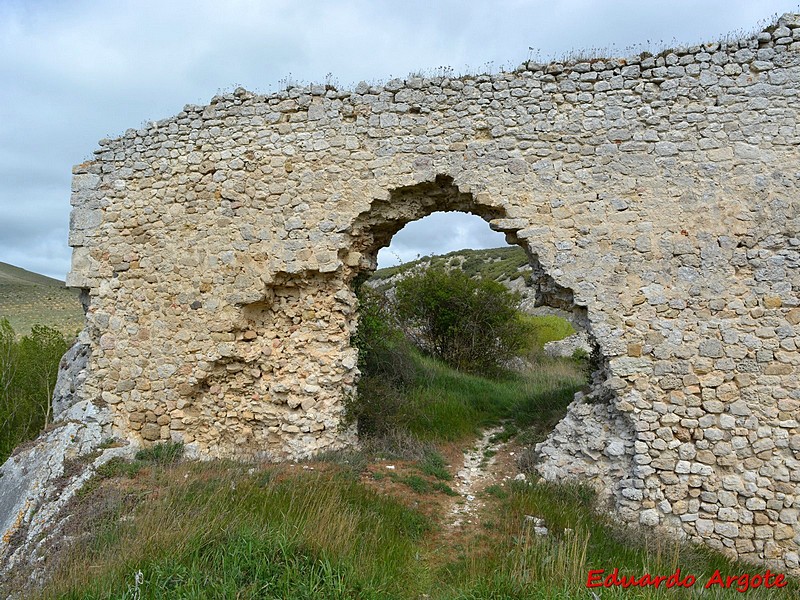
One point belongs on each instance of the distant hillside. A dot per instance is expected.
(9, 274)
(505, 265)
(28, 299)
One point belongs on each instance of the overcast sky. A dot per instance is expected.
(75, 71)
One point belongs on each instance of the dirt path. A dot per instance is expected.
(478, 472)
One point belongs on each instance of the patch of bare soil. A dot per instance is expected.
(468, 519)
(477, 472)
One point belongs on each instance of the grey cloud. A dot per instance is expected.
(439, 233)
(74, 72)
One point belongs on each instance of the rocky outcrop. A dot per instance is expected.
(72, 374)
(43, 475)
(577, 342)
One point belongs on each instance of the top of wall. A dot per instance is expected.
(752, 53)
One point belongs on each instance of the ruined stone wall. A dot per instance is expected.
(657, 194)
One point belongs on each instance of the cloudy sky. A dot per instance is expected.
(75, 71)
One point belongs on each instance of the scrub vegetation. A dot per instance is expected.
(28, 299)
(376, 522)
(28, 370)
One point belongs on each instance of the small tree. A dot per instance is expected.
(473, 326)
(386, 364)
(28, 370)
(39, 355)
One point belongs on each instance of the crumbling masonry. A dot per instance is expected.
(658, 195)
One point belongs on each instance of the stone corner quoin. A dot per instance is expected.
(657, 195)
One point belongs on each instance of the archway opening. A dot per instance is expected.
(412, 390)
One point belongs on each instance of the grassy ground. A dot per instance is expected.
(28, 299)
(316, 530)
(448, 406)
(510, 561)
(548, 328)
(369, 524)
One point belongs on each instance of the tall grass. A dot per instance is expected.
(219, 530)
(215, 531)
(512, 561)
(446, 405)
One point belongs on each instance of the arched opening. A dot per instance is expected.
(541, 294)
(374, 229)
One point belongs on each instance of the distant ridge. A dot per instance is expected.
(11, 274)
(28, 299)
(504, 264)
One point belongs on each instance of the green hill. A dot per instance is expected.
(28, 299)
(9, 274)
(499, 264)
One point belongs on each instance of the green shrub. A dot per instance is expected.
(28, 370)
(579, 354)
(473, 326)
(382, 349)
(387, 367)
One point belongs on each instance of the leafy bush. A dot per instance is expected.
(28, 370)
(382, 349)
(386, 364)
(473, 326)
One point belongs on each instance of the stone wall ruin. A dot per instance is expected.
(658, 193)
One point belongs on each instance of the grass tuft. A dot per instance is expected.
(433, 464)
(161, 454)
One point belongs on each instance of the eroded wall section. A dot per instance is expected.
(217, 248)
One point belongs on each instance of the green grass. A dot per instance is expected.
(214, 531)
(158, 455)
(548, 328)
(441, 486)
(448, 406)
(433, 464)
(497, 491)
(415, 482)
(420, 484)
(28, 299)
(217, 530)
(437, 403)
(163, 454)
